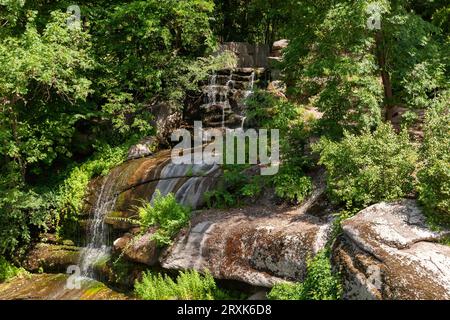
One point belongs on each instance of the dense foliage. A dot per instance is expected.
(434, 175)
(368, 168)
(73, 97)
(358, 75)
(265, 111)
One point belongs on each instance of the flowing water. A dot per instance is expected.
(250, 89)
(97, 247)
(187, 182)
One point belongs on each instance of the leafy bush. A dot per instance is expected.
(369, 168)
(189, 285)
(291, 184)
(165, 213)
(21, 213)
(7, 270)
(434, 175)
(320, 283)
(237, 186)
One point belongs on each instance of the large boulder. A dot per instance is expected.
(51, 257)
(142, 149)
(387, 252)
(258, 245)
(138, 248)
(280, 45)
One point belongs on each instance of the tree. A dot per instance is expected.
(41, 77)
(356, 75)
(147, 53)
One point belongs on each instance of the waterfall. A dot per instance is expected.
(98, 233)
(212, 90)
(229, 83)
(243, 122)
(187, 182)
(251, 85)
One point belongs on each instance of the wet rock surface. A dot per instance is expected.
(261, 246)
(387, 252)
(137, 180)
(53, 287)
(51, 257)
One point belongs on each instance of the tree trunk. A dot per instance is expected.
(388, 95)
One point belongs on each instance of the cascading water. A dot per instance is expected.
(212, 90)
(251, 85)
(187, 192)
(225, 96)
(228, 85)
(97, 246)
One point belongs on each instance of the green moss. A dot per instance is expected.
(121, 198)
(94, 289)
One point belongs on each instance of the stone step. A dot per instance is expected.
(214, 108)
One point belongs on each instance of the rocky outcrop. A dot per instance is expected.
(248, 55)
(142, 149)
(276, 58)
(51, 257)
(138, 248)
(260, 246)
(278, 47)
(387, 252)
(166, 119)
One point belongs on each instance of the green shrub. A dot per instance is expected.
(291, 184)
(189, 285)
(237, 187)
(71, 192)
(7, 270)
(320, 283)
(434, 175)
(22, 213)
(286, 291)
(368, 168)
(166, 214)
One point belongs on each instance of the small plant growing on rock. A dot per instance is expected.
(8, 271)
(166, 214)
(321, 283)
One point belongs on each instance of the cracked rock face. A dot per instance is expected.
(260, 248)
(387, 252)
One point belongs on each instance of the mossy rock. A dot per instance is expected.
(51, 258)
